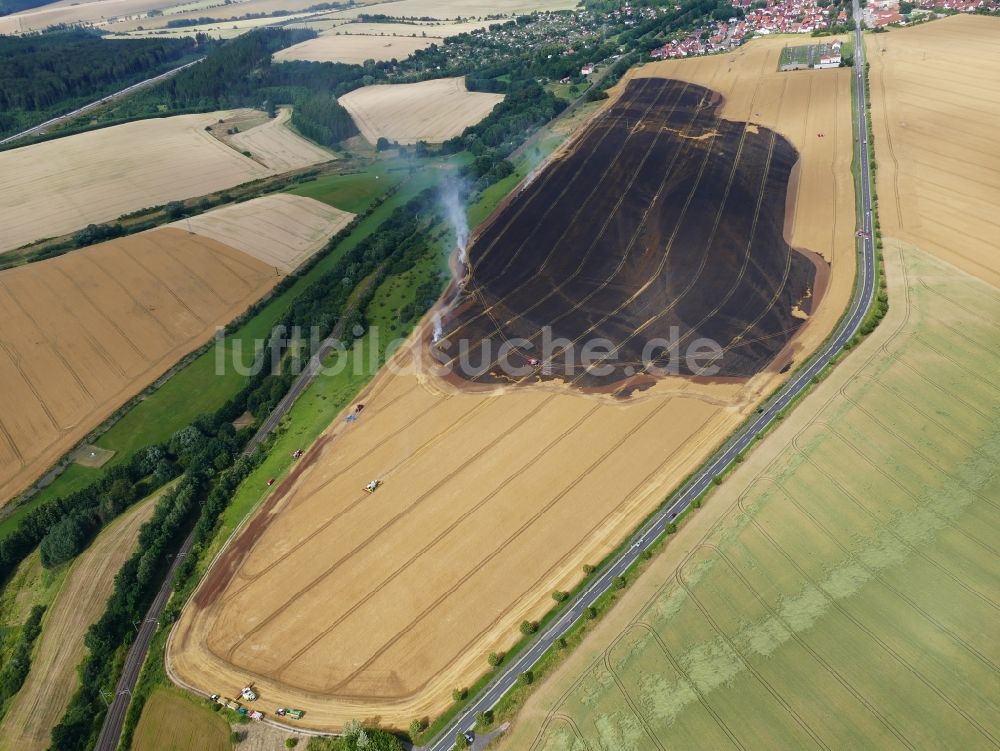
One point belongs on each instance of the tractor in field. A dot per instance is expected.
(295, 714)
(373, 486)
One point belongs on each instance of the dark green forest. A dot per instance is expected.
(16, 6)
(44, 75)
(240, 74)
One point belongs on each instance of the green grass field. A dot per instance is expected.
(355, 191)
(849, 597)
(197, 388)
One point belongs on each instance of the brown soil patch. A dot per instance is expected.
(935, 109)
(350, 604)
(243, 421)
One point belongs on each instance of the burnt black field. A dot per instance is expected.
(663, 223)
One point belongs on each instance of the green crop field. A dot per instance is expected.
(173, 722)
(849, 596)
(352, 192)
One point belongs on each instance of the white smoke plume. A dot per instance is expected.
(454, 210)
(438, 328)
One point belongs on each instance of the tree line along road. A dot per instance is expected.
(864, 295)
(645, 536)
(42, 127)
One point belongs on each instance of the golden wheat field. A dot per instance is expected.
(350, 604)
(431, 111)
(935, 109)
(62, 185)
(89, 329)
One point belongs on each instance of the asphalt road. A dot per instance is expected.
(604, 579)
(115, 718)
(39, 129)
(864, 294)
(302, 382)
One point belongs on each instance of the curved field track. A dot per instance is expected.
(42, 700)
(355, 605)
(663, 222)
(839, 589)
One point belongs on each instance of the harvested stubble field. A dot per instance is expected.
(435, 29)
(353, 49)
(343, 41)
(72, 12)
(43, 698)
(280, 230)
(175, 723)
(59, 186)
(278, 148)
(215, 29)
(431, 111)
(840, 589)
(443, 9)
(86, 331)
(356, 605)
(935, 109)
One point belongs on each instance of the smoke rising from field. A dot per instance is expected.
(454, 211)
(438, 328)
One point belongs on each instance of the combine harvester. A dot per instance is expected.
(373, 486)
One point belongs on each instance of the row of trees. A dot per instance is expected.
(18, 663)
(202, 491)
(209, 454)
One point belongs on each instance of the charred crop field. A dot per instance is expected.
(661, 227)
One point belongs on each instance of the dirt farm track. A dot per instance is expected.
(353, 605)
